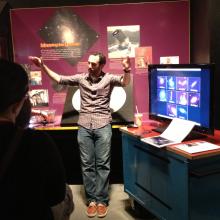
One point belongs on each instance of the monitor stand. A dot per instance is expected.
(191, 136)
(160, 129)
(194, 135)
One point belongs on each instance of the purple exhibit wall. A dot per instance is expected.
(164, 26)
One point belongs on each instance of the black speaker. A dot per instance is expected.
(5, 32)
(4, 17)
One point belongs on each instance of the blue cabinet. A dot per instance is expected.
(169, 185)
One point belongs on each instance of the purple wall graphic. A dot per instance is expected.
(65, 36)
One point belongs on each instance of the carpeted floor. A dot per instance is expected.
(120, 206)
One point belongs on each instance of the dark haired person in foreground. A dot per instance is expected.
(95, 131)
(32, 179)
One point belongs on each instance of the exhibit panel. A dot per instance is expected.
(65, 36)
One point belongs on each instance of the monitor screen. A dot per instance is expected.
(184, 91)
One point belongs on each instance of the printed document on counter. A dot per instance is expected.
(175, 133)
(198, 146)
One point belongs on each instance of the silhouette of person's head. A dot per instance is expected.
(14, 86)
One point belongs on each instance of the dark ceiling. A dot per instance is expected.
(45, 3)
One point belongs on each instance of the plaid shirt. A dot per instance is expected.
(95, 98)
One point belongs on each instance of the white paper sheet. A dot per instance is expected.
(175, 133)
(178, 129)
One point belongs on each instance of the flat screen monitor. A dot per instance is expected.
(184, 91)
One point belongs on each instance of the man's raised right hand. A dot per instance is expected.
(36, 60)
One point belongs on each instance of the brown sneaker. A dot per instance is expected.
(102, 210)
(91, 210)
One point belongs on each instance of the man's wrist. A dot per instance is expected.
(42, 65)
(127, 70)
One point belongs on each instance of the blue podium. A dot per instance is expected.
(169, 183)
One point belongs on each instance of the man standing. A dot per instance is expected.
(95, 131)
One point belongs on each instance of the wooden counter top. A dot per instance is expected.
(146, 131)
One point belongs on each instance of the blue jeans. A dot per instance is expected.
(95, 154)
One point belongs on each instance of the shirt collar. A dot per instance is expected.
(98, 79)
